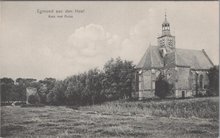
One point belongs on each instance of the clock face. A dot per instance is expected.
(167, 42)
(170, 42)
(162, 42)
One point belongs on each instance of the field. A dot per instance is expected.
(154, 119)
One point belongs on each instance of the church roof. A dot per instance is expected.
(195, 59)
(151, 59)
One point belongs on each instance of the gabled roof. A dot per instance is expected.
(151, 59)
(195, 59)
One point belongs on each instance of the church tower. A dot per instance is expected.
(166, 41)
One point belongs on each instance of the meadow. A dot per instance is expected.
(179, 118)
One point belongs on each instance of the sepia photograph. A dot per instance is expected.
(145, 69)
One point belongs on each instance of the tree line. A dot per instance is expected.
(94, 86)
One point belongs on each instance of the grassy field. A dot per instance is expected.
(154, 119)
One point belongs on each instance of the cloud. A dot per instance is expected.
(91, 46)
(140, 37)
(87, 47)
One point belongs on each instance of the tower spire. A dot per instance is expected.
(165, 15)
(166, 26)
(166, 40)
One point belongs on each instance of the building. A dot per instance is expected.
(186, 70)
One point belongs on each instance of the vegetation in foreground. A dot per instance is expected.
(116, 119)
(204, 107)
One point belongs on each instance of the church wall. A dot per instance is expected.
(146, 85)
(135, 85)
(188, 80)
(184, 82)
(140, 85)
(179, 77)
(183, 78)
(206, 80)
(182, 93)
(196, 74)
(147, 80)
(171, 76)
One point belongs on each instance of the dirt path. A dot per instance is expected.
(66, 122)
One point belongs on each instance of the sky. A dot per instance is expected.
(34, 45)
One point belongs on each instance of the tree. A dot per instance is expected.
(45, 86)
(7, 89)
(162, 87)
(49, 82)
(75, 85)
(21, 92)
(11, 91)
(92, 94)
(27, 82)
(43, 91)
(56, 95)
(213, 81)
(119, 77)
(50, 98)
(33, 99)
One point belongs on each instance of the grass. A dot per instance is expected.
(154, 119)
(181, 108)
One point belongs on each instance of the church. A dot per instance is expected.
(185, 69)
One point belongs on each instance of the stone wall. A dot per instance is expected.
(147, 84)
(189, 82)
(172, 76)
(183, 93)
(183, 80)
(135, 85)
(196, 81)
(146, 94)
(179, 77)
(146, 80)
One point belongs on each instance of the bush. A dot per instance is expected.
(33, 99)
(213, 81)
(32, 105)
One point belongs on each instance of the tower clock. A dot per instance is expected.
(166, 40)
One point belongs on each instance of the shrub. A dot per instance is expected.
(33, 99)
(213, 81)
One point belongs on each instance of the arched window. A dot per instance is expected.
(201, 81)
